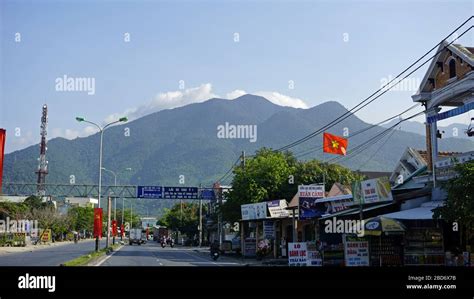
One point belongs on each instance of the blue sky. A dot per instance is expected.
(331, 50)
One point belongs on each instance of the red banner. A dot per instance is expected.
(122, 230)
(333, 144)
(97, 222)
(114, 228)
(3, 135)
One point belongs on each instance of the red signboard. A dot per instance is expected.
(3, 134)
(114, 228)
(98, 223)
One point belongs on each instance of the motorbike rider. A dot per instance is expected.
(214, 247)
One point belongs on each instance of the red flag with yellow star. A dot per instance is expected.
(333, 144)
(97, 223)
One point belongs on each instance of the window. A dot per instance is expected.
(452, 68)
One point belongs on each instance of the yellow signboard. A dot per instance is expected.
(46, 236)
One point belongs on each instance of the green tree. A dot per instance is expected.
(460, 203)
(274, 175)
(185, 219)
(127, 214)
(82, 218)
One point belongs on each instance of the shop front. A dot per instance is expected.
(263, 228)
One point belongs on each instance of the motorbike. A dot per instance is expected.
(215, 255)
(163, 244)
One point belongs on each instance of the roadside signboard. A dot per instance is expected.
(208, 194)
(268, 230)
(297, 254)
(250, 247)
(46, 236)
(356, 252)
(149, 192)
(277, 208)
(180, 192)
(376, 190)
(314, 256)
(308, 196)
(254, 211)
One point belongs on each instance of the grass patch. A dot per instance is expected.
(93, 255)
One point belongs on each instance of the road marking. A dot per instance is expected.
(106, 258)
(211, 262)
(219, 263)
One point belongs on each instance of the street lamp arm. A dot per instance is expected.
(93, 123)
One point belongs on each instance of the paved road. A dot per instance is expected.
(50, 256)
(151, 254)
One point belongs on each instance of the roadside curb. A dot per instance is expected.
(101, 259)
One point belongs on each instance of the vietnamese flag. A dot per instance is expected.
(333, 144)
(114, 228)
(97, 222)
(122, 230)
(2, 148)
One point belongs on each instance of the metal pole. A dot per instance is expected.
(123, 209)
(200, 222)
(109, 204)
(100, 163)
(131, 218)
(295, 230)
(123, 212)
(115, 198)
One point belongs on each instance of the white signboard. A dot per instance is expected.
(314, 258)
(277, 208)
(311, 191)
(297, 254)
(376, 190)
(254, 211)
(356, 253)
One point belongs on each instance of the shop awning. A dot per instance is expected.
(370, 208)
(345, 212)
(424, 212)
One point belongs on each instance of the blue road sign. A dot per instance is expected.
(149, 192)
(207, 194)
(180, 192)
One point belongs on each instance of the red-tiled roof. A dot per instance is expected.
(424, 154)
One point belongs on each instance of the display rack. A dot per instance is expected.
(385, 251)
(424, 246)
(333, 255)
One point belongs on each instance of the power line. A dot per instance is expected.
(378, 149)
(229, 171)
(368, 143)
(366, 101)
(298, 155)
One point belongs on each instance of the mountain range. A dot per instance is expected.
(456, 130)
(164, 146)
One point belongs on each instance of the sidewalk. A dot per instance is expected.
(31, 247)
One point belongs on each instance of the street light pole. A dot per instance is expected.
(101, 130)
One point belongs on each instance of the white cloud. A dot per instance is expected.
(235, 94)
(282, 100)
(204, 92)
(14, 142)
(168, 100)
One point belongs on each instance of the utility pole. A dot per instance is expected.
(122, 223)
(200, 217)
(242, 160)
(109, 204)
